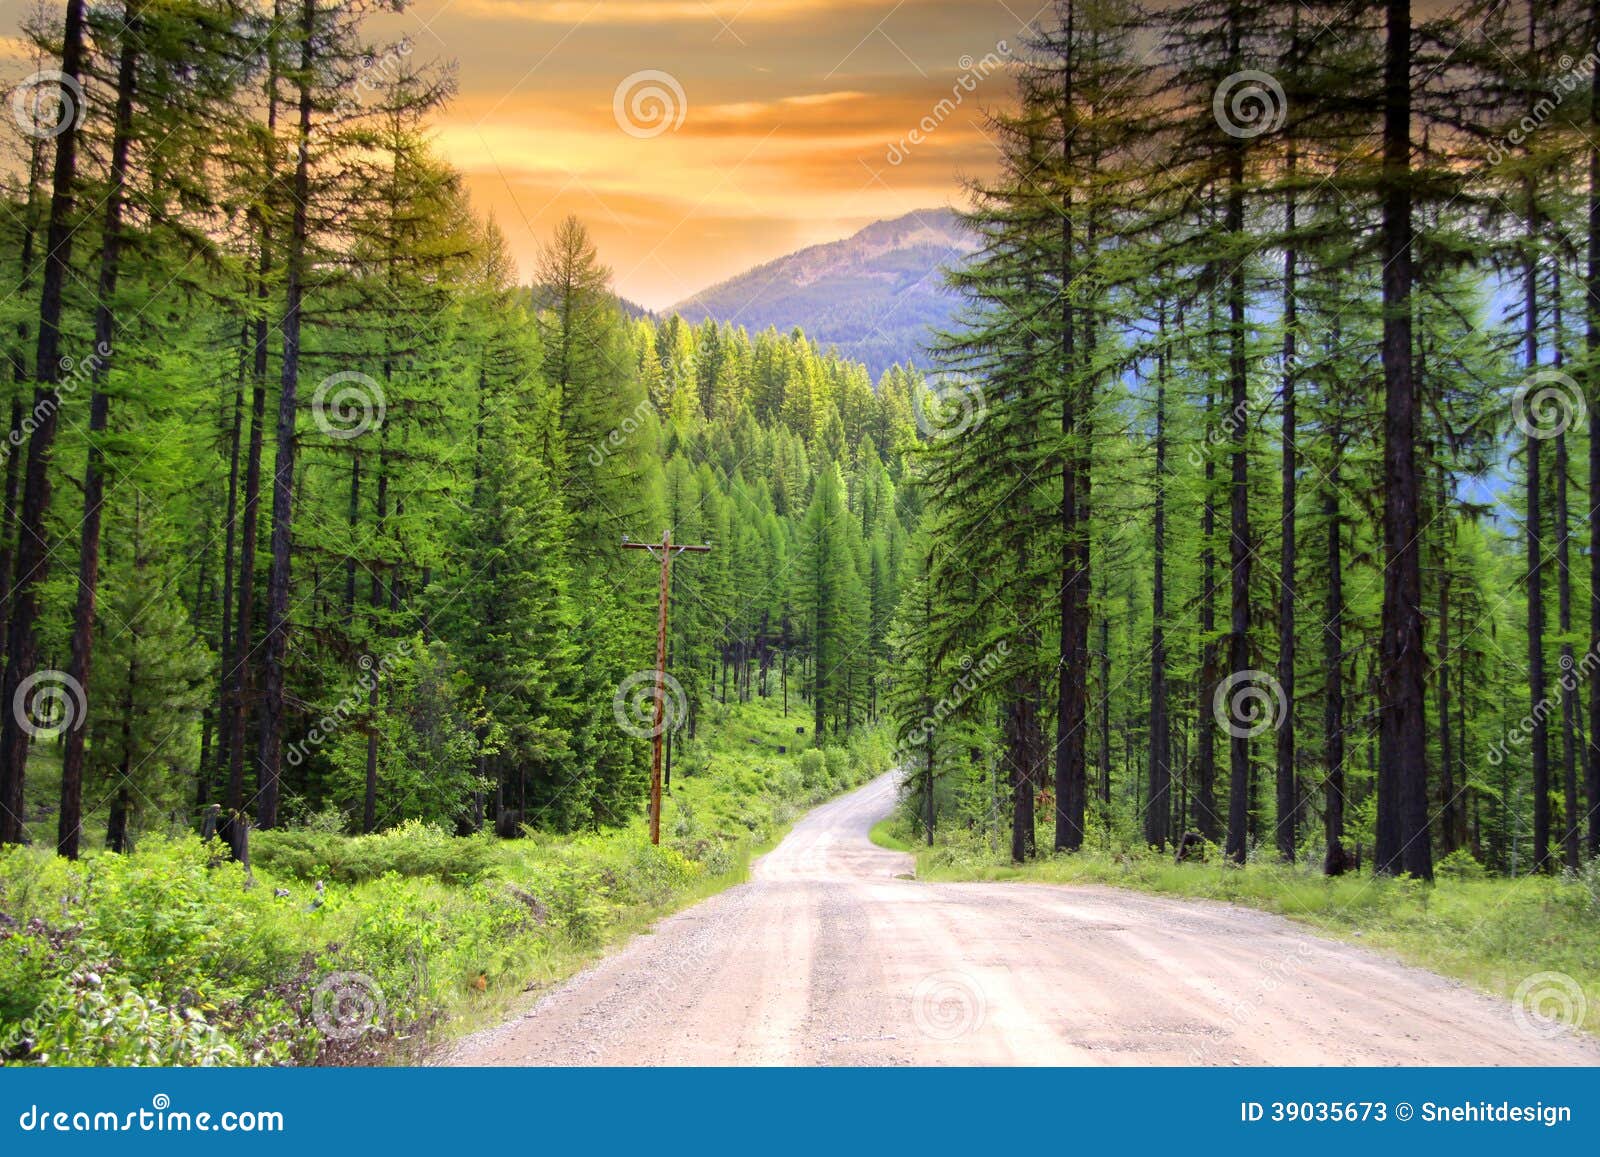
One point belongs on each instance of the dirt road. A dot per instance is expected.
(828, 956)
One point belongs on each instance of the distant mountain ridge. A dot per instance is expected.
(877, 295)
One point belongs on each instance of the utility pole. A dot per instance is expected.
(668, 548)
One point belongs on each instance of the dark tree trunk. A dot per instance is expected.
(1239, 503)
(19, 378)
(241, 680)
(1104, 778)
(1539, 739)
(369, 805)
(33, 554)
(1572, 825)
(241, 675)
(1158, 813)
(353, 521)
(80, 664)
(1333, 664)
(1402, 820)
(1592, 372)
(1288, 790)
(270, 744)
(117, 819)
(230, 550)
(1024, 752)
(1205, 795)
(1448, 791)
(1072, 705)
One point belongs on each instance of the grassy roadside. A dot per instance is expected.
(890, 834)
(1533, 939)
(415, 936)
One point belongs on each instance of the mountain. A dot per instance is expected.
(875, 295)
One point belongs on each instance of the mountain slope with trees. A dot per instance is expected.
(877, 296)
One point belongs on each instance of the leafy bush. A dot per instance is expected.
(412, 849)
(94, 1017)
(813, 767)
(1460, 865)
(30, 955)
(837, 760)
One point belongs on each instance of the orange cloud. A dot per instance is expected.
(785, 140)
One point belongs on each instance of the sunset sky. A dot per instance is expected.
(790, 110)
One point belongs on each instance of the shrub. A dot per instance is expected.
(412, 849)
(95, 1018)
(837, 760)
(1459, 865)
(813, 767)
(30, 955)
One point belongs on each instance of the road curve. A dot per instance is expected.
(832, 955)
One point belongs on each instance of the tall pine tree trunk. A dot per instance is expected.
(1571, 834)
(1539, 740)
(241, 675)
(1333, 666)
(1024, 753)
(1448, 791)
(1072, 706)
(1402, 843)
(1592, 371)
(1157, 814)
(1288, 790)
(33, 554)
(270, 744)
(1239, 556)
(19, 378)
(1205, 799)
(105, 323)
(230, 554)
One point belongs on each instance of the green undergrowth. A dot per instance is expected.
(375, 949)
(891, 834)
(1532, 938)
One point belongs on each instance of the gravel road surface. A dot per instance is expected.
(832, 955)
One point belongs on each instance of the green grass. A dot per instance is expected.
(888, 834)
(451, 933)
(1489, 932)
